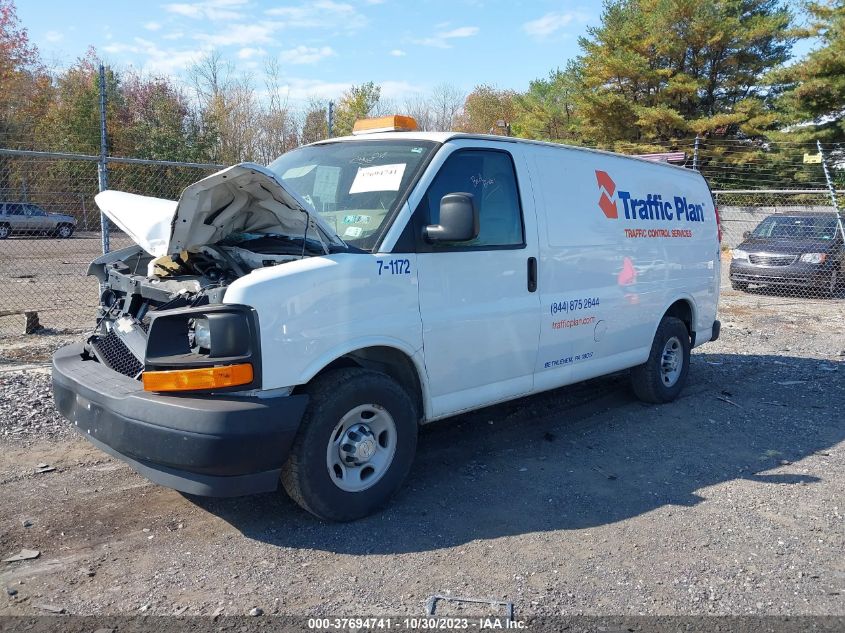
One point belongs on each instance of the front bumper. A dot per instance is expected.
(215, 445)
(796, 274)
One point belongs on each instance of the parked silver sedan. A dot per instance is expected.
(29, 219)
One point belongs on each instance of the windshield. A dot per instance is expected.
(801, 227)
(354, 185)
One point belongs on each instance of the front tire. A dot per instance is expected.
(355, 446)
(739, 285)
(64, 231)
(661, 378)
(4, 231)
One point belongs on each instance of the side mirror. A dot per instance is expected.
(458, 220)
(746, 235)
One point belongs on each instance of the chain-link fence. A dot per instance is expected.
(51, 229)
(782, 233)
(782, 239)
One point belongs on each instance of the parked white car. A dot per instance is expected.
(299, 321)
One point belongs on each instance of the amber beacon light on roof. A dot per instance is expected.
(394, 123)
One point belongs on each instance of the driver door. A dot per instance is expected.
(480, 313)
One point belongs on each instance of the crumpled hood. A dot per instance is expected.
(244, 198)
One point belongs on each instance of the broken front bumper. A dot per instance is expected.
(215, 445)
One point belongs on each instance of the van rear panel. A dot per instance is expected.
(621, 240)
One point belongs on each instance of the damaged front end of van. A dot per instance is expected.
(170, 378)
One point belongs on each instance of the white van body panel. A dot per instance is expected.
(474, 332)
(620, 274)
(317, 309)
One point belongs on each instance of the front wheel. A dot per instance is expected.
(739, 285)
(64, 231)
(355, 445)
(4, 231)
(661, 378)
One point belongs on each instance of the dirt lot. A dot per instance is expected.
(582, 500)
(48, 275)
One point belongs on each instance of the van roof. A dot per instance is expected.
(442, 137)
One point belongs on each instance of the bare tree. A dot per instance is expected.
(419, 107)
(279, 129)
(231, 112)
(445, 103)
(314, 121)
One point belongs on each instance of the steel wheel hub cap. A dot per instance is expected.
(672, 361)
(358, 445)
(361, 448)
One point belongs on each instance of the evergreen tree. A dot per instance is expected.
(816, 84)
(662, 69)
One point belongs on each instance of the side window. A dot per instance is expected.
(489, 176)
(33, 210)
(14, 209)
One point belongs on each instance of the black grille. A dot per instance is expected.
(772, 260)
(113, 353)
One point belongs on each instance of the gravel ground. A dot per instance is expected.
(577, 501)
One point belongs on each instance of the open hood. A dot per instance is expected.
(245, 198)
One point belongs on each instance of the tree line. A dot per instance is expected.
(651, 74)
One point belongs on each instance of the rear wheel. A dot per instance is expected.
(64, 231)
(4, 231)
(661, 378)
(355, 446)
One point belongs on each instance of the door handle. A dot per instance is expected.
(532, 274)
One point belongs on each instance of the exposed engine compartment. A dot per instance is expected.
(136, 285)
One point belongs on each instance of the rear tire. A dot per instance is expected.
(661, 378)
(355, 446)
(64, 231)
(4, 231)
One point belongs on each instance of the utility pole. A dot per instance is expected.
(331, 119)
(103, 170)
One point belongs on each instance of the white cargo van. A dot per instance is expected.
(297, 322)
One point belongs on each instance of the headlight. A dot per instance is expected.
(814, 258)
(738, 253)
(199, 334)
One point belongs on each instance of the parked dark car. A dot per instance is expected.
(24, 218)
(801, 249)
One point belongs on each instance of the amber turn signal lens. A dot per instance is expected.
(202, 378)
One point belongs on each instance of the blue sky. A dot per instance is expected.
(324, 45)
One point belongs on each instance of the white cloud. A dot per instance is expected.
(248, 52)
(397, 89)
(159, 61)
(550, 23)
(442, 38)
(398, 52)
(54, 36)
(238, 35)
(208, 9)
(323, 14)
(302, 89)
(306, 54)
(152, 26)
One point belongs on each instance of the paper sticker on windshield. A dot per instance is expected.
(325, 183)
(298, 172)
(379, 178)
(353, 231)
(356, 219)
